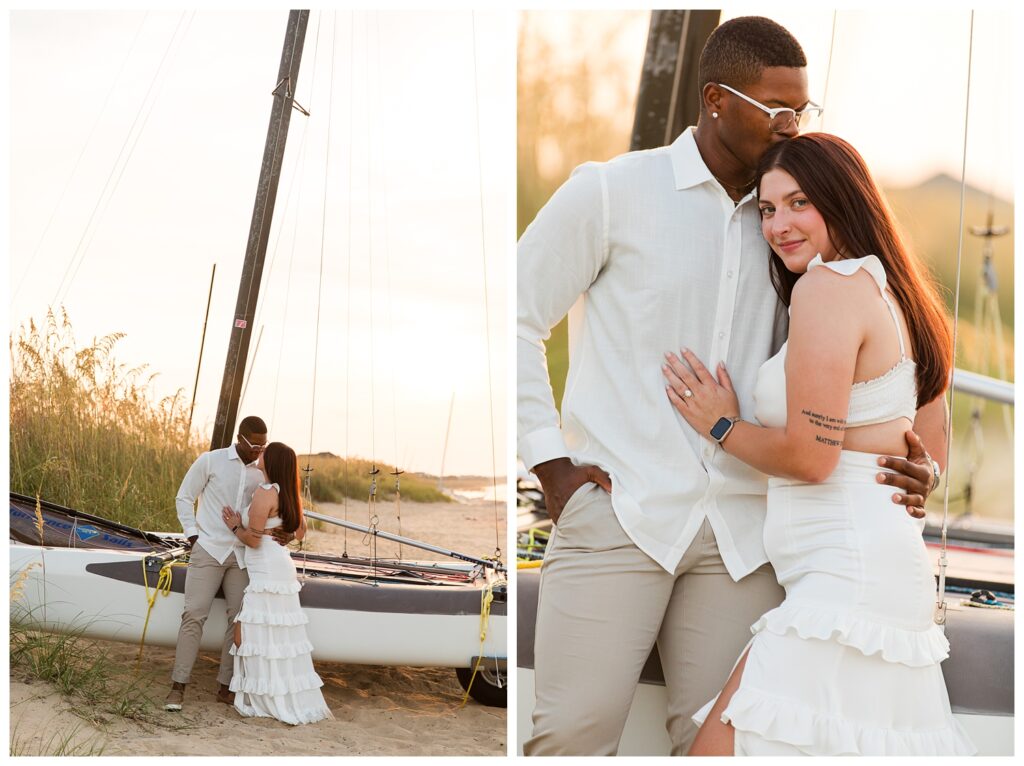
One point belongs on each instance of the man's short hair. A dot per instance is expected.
(739, 50)
(252, 425)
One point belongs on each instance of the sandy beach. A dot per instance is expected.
(378, 710)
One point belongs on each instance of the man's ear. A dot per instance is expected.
(712, 98)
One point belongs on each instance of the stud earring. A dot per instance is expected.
(715, 115)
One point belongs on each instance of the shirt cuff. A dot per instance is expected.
(542, 445)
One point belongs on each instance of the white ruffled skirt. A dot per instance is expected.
(273, 671)
(848, 664)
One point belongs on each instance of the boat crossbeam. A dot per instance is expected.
(495, 565)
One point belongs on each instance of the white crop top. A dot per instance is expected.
(890, 396)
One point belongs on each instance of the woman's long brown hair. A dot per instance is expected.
(282, 468)
(837, 182)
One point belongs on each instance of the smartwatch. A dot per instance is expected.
(722, 428)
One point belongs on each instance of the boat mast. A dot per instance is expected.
(259, 229)
(447, 431)
(668, 99)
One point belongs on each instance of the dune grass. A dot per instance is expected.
(58, 743)
(87, 432)
(334, 478)
(81, 671)
(97, 688)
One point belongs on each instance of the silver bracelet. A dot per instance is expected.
(936, 474)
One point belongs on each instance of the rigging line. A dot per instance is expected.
(252, 363)
(828, 67)
(956, 318)
(323, 234)
(487, 310)
(265, 278)
(371, 508)
(124, 165)
(387, 267)
(286, 95)
(391, 322)
(113, 169)
(348, 281)
(369, 246)
(81, 154)
(301, 173)
(298, 174)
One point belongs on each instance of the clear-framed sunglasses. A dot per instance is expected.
(253, 447)
(781, 118)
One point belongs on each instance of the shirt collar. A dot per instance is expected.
(688, 166)
(233, 453)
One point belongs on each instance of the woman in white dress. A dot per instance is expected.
(273, 674)
(848, 664)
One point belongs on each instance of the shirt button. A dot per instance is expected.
(721, 335)
(729, 273)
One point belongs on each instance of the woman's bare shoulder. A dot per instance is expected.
(822, 293)
(265, 497)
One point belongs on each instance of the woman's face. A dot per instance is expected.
(260, 464)
(791, 225)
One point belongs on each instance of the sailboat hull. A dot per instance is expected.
(103, 595)
(98, 578)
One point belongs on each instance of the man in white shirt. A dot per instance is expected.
(219, 478)
(659, 532)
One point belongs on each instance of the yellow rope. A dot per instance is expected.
(486, 597)
(163, 585)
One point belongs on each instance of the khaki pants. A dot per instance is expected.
(602, 605)
(205, 576)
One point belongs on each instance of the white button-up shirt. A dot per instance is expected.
(647, 254)
(217, 478)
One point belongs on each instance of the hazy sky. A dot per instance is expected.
(896, 81)
(141, 134)
(897, 88)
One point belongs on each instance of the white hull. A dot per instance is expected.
(60, 595)
(645, 733)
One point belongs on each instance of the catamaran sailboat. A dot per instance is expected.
(77, 571)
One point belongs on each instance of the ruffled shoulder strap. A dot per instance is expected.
(273, 486)
(873, 266)
(849, 266)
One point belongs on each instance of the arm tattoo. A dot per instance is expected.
(824, 421)
(829, 442)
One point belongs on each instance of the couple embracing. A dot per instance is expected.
(757, 362)
(250, 508)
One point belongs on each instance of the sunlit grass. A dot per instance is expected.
(97, 687)
(334, 478)
(86, 431)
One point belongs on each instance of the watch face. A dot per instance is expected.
(720, 429)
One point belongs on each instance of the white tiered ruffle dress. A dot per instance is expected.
(273, 671)
(848, 664)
